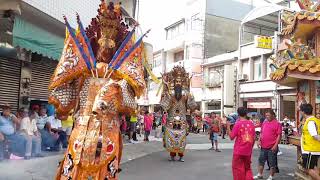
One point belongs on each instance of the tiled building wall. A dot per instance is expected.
(58, 8)
(86, 9)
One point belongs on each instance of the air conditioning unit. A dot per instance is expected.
(243, 77)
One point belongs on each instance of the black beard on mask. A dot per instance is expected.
(178, 92)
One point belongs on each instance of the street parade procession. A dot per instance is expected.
(153, 90)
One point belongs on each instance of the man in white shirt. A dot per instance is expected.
(28, 128)
(54, 126)
(55, 123)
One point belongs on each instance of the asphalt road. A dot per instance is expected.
(149, 161)
(199, 164)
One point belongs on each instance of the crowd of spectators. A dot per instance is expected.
(28, 132)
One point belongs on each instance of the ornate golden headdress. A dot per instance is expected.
(177, 76)
(107, 31)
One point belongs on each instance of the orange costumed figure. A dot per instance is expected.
(99, 75)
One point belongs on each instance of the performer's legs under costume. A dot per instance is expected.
(173, 155)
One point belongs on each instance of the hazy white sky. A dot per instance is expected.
(157, 15)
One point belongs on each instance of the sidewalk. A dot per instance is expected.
(45, 168)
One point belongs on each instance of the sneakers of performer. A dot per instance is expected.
(14, 157)
(181, 159)
(258, 176)
(270, 178)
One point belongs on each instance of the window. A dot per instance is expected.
(257, 74)
(245, 67)
(176, 30)
(269, 69)
(215, 76)
(187, 52)
(196, 22)
(157, 60)
(178, 56)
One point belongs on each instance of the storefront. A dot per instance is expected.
(10, 81)
(31, 42)
(259, 96)
(41, 71)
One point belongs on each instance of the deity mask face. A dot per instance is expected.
(177, 82)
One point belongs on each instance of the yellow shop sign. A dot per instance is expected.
(264, 42)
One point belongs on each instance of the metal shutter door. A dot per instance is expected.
(10, 72)
(40, 77)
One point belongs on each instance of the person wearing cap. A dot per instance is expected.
(29, 130)
(7, 131)
(36, 109)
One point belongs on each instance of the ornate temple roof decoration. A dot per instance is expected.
(297, 58)
(309, 14)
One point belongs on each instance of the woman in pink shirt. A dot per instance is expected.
(148, 120)
(243, 132)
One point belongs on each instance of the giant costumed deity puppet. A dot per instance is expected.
(99, 75)
(176, 99)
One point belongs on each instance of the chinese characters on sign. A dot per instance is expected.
(264, 42)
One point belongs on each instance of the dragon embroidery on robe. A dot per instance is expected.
(176, 99)
(99, 75)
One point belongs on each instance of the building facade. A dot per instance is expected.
(258, 34)
(258, 42)
(220, 83)
(190, 40)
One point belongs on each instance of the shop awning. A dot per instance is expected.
(29, 36)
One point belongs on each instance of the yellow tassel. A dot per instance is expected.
(67, 35)
(78, 30)
(159, 89)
